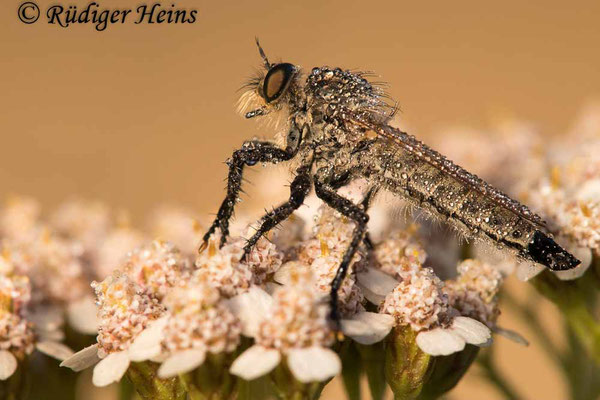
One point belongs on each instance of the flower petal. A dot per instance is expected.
(110, 369)
(372, 297)
(255, 362)
(147, 344)
(583, 254)
(55, 350)
(182, 362)
(271, 287)
(527, 270)
(511, 335)
(472, 331)
(440, 342)
(83, 315)
(313, 364)
(251, 308)
(82, 359)
(367, 327)
(377, 281)
(8, 364)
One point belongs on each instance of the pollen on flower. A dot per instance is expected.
(15, 293)
(56, 270)
(298, 319)
(578, 219)
(86, 221)
(322, 253)
(157, 266)
(418, 301)
(350, 298)
(474, 292)
(16, 334)
(400, 254)
(125, 309)
(223, 269)
(331, 235)
(198, 318)
(264, 260)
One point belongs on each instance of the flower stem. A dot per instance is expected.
(351, 370)
(289, 388)
(570, 298)
(407, 367)
(373, 360)
(149, 386)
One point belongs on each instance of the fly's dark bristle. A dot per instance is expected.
(546, 251)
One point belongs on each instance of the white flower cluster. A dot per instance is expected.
(157, 266)
(19, 335)
(198, 318)
(474, 292)
(125, 309)
(418, 300)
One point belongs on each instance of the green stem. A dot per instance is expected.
(287, 387)
(351, 370)
(146, 382)
(569, 297)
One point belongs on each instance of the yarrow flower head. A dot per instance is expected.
(418, 300)
(19, 336)
(400, 254)
(85, 221)
(157, 266)
(474, 292)
(125, 309)
(198, 323)
(293, 323)
(53, 265)
(226, 270)
(322, 254)
(298, 319)
(223, 269)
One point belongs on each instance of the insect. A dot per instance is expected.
(337, 130)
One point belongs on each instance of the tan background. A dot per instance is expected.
(139, 115)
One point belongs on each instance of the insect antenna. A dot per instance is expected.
(262, 54)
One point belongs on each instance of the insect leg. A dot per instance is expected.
(365, 205)
(350, 210)
(299, 189)
(252, 152)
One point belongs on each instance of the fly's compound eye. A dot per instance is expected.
(277, 81)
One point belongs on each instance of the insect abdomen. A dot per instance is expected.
(461, 205)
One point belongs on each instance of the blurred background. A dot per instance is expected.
(140, 115)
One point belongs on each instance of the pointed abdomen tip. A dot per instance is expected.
(544, 250)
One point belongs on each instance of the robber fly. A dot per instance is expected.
(337, 130)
